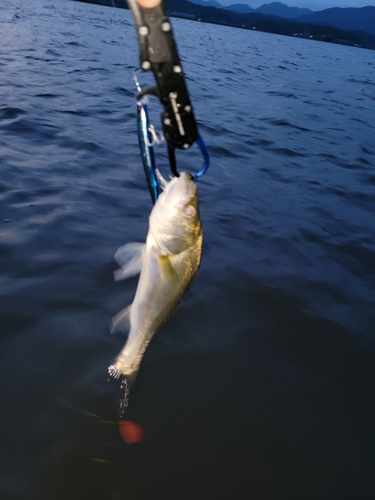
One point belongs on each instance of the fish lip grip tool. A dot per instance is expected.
(158, 53)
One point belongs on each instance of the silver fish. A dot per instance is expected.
(167, 263)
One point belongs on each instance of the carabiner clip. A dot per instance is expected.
(206, 159)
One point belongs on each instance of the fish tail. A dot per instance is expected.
(117, 371)
(127, 387)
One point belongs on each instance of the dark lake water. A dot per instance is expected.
(262, 385)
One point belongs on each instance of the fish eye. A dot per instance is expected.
(190, 211)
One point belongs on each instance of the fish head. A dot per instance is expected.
(175, 221)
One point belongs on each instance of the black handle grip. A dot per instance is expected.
(158, 53)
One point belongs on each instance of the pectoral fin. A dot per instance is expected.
(121, 321)
(166, 269)
(129, 257)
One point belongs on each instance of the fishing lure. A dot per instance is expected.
(147, 138)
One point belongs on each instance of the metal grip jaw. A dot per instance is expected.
(158, 53)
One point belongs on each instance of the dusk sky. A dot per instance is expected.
(310, 4)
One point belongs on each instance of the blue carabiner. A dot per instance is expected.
(147, 138)
(206, 158)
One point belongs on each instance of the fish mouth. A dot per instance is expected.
(187, 184)
(187, 175)
(181, 188)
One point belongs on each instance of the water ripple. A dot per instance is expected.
(8, 113)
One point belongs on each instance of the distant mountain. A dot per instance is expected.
(353, 19)
(348, 19)
(239, 7)
(270, 9)
(282, 10)
(208, 3)
(355, 30)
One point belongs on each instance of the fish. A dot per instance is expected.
(168, 263)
